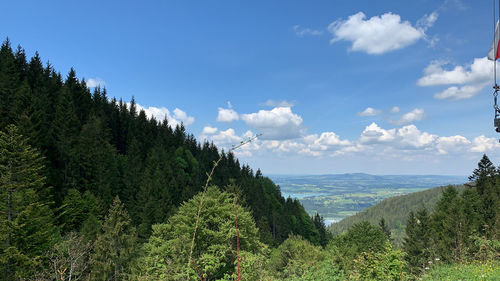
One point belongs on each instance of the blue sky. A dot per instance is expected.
(384, 87)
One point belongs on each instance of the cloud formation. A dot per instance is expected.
(464, 81)
(160, 113)
(379, 34)
(369, 112)
(406, 143)
(416, 114)
(227, 115)
(280, 123)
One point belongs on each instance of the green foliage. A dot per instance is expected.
(115, 246)
(417, 244)
(488, 271)
(294, 257)
(27, 228)
(362, 237)
(395, 211)
(77, 208)
(388, 264)
(214, 255)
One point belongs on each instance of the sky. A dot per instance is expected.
(381, 87)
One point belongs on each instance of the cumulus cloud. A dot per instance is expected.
(227, 115)
(374, 134)
(279, 123)
(95, 82)
(325, 141)
(407, 137)
(415, 115)
(301, 31)
(369, 112)
(379, 34)
(467, 80)
(160, 113)
(483, 144)
(207, 130)
(410, 137)
(452, 144)
(406, 143)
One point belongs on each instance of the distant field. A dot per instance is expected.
(338, 196)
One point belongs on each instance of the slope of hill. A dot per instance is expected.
(108, 148)
(394, 210)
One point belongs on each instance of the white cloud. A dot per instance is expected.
(473, 78)
(378, 34)
(374, 134)
(483, 144)
(326, 141)
(207, 130)
(279, 123)
(279, 103)
(226, 137)
(407, 137)
(95, 82)
(458, 93)
(415, 115)
(301, 31)
(395, 109)
(452, 144)
(227, 115)
(406, 143)
(160, 113)
(369, 112)
(410, 137)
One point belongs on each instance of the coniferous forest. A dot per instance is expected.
(92, 189)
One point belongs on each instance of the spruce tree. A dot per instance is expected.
(114, 248)
(417, 243)
(383, 226)
(26, 222)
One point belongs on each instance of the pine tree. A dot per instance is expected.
(26, 222)
(448, 224)
(484, 168)
(385, 229)
(324, 235)
(114, 248)
(417, 243)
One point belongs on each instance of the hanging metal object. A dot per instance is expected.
(496, 121)
(493, 54)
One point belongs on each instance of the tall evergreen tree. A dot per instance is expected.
(417, 243)
(114, 248)
(26, 222)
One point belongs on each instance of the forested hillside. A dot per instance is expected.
(394, 211)
(90, 148)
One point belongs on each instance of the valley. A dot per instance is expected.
(338, 196)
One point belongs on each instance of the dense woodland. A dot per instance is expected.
(91, 189)
(394, 211)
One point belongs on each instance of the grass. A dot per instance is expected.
(461, 272)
